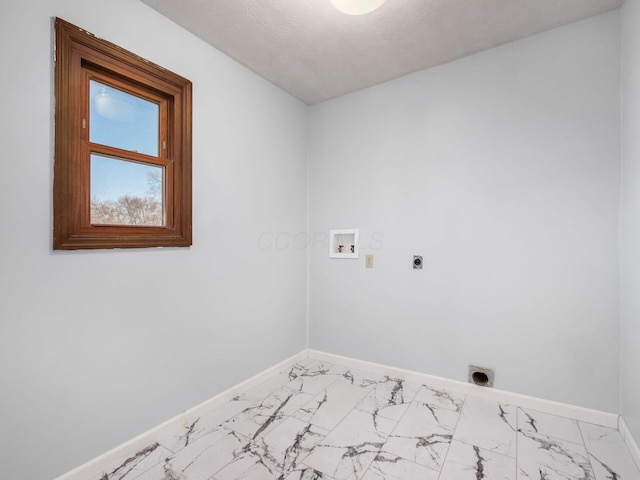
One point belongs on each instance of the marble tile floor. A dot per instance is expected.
(324, 421)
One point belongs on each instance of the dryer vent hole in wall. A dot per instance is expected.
(481, 376)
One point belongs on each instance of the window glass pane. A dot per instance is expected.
(126, 193)
(122, 120)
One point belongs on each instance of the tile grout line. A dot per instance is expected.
(584, 443)
(517, 442)
(400, 419)
(464, 402)
(338, 376)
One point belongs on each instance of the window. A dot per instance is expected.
(122, 176)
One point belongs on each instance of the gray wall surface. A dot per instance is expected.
(630, 225)
(98, 347)
(502, 170)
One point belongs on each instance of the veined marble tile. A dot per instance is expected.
(261, 417)
(276, 454)
(425, 413)
(440, 398)
(488, 425)
(423, 435)
(305, 362)
(137, 464)
(360, 378)
(334, 368)
(468, 462)
(545, 458)
(309, 367)
(246, 466)
(291, 441)
(392, 467)
(330, 406)
(344, 461)
(389, 398)
(348, 450)
(609, 455)
(183, 436)
(307, 473)
(549, 425)
(370, 422)
(313, 377)
(201, 459)
(352, 376)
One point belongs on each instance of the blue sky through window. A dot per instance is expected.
(121, 120)
(113, 178)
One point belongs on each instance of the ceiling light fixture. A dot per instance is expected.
(356, 7)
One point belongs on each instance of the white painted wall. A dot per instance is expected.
(97, 347)
(502, 170)
(630, 219)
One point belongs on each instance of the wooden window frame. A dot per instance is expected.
(79, 57)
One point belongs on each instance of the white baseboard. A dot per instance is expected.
(583, 414)
(119, 454)
(632, 445)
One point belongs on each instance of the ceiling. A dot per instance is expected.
(315, 53)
